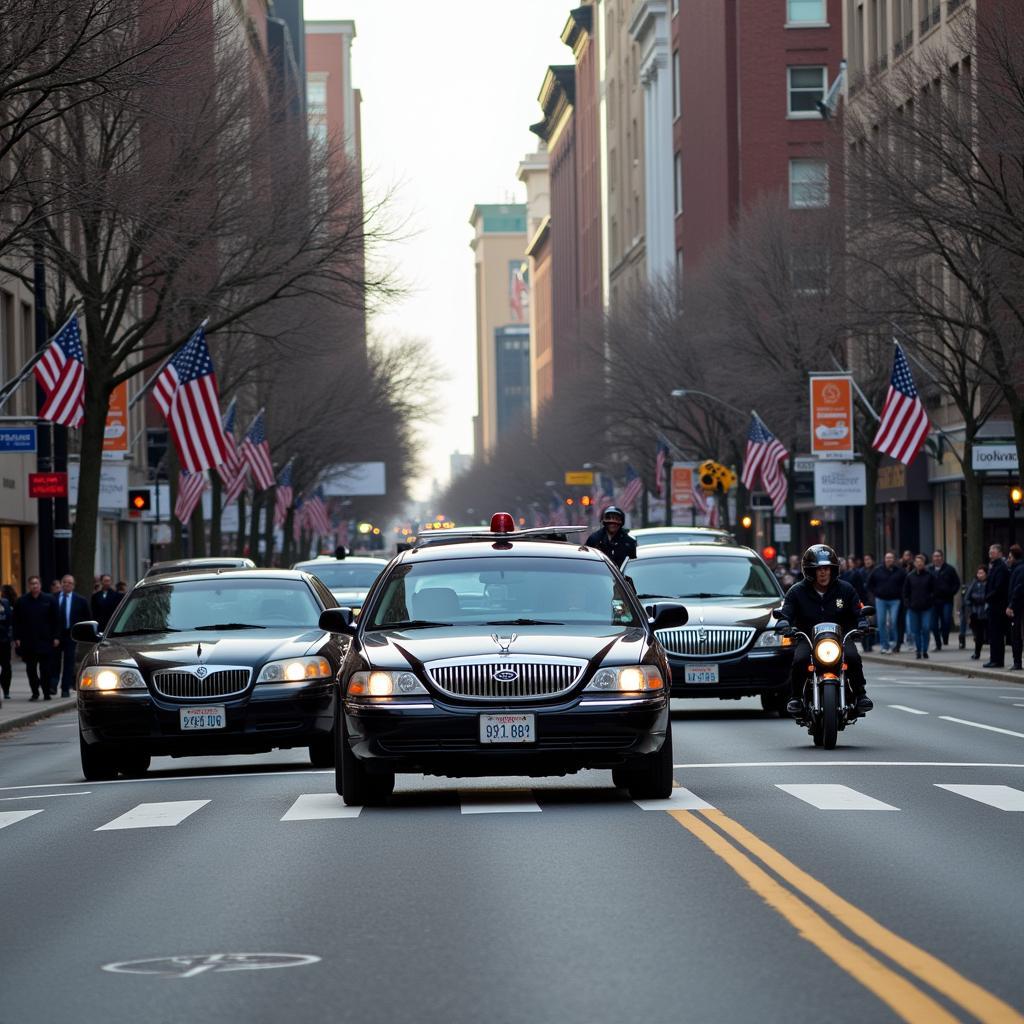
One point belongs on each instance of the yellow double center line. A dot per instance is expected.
(906, 999)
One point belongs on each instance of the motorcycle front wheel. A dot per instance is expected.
(829, 717)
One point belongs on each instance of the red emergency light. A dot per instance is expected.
(502, 522)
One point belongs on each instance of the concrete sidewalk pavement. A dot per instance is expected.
(19, 709)
(950, 660)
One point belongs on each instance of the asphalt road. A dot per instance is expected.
(750, 895)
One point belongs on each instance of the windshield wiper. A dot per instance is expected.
(703, 596)
(230, 625)
(144, 630)
(524, 622)
(408, 624)
(640, 596)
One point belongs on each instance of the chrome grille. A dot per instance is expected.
(706, 641)
(535, 678)
(221, 682)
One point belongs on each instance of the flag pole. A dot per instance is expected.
(139, 395)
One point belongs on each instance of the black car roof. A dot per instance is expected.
(695, 547)
(222, 574)
(497, 549)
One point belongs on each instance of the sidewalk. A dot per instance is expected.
(950, 660)
(20, 710)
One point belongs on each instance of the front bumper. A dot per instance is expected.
(750, 674)
(264, 718)
(444, 739)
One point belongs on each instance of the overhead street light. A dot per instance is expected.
(683, 392)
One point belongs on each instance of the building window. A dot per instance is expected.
(675, 7)
(806, 88)
(677, 104)
(679, 182)
(808, 184)
(805, 12)
(316, 96)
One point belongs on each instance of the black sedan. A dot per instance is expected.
(728, 648)
(209, 663)
(502, 654)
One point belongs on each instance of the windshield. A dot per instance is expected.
(503, 591)
(202, 604)
(696, 575)
(339, 576)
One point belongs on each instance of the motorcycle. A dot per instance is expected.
(829, 703)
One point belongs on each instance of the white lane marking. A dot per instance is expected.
(910, 711)
(851, 764)
(1018, 705)
(314, 806)
(46, 796)
(978, 725)
(835, 798)
(680, 800)
(1005, 798)
(158, 815)
(484, 802)
(10, 817)
(175, 778)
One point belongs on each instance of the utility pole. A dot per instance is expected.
(44, 461)
(668, 489)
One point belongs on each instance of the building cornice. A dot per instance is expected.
(578, 29)
(539, 236)
(556, 97)
(331, 28)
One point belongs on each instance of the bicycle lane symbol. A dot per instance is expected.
(192, 966)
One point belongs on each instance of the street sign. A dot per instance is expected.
(17, 439)
(840, 483)
(47, 485)
(579, 478)
(62, 535)
(831, 416)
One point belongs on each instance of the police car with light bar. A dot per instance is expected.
(502, 652)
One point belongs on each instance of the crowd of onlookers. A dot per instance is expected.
(915, 597)
(36, 626)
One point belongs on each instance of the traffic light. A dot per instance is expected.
(746, 522)
(714, 477)
(1016, 495)
(139, 499)
(586, 501)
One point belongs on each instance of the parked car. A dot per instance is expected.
(728, 649)
(208, 663)
(199, 564)
(680, 535)
(349, 579)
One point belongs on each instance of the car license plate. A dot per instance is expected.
(701, 674)
(507, 729)
(212, 717)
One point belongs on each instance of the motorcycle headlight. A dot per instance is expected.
(769, 638)
(295, 670)
(384, 684)
(828, 652)
(628, 679)
(111, 677)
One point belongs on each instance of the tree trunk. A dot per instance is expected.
(216, 510)
(254, 526)
(289, 540)
(197, 532)
(268, 532)
(240, 536)
(173, 473)
(83, 557)
(974, 525)
(871, 461)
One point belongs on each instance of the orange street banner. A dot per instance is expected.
(832, 416)
(115, 434)
(682, 492)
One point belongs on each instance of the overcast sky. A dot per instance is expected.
(449, 92)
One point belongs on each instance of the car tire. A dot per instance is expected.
(97, 764)
(321, 751)
(354, 784)
(652, 778)
(133, 765)
(774, 703)
(621, 777)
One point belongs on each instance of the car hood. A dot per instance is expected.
(167, 650)
(398, 649)
(740, 611)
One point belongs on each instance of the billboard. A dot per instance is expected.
(832, 416)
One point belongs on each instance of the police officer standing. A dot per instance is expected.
(613, 538)
(822, 597)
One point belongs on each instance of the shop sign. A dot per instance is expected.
(998, 458)
(897, 482)
(682, 492)
(832, 416)
(17, 439)
(579, 478)
(47, 485)
(840, 483)
(115, 432)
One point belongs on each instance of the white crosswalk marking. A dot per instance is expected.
(910, 711)
(10, 817)
(1005, 798)
(158, 815)
(314, 806)
(835, 798)
(495, 802)
(680, 800)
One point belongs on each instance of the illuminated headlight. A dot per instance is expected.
(384, 684)
(828, 652)
(110, 677)
(630, 679)
(770, 638)
(295, 670)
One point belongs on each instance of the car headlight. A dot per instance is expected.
(769, 638)
(110, 677)
(295, 670)
(630, 679)
(828, 652)
(384, 684)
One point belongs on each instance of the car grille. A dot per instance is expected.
(475, 680)
(219, 683)
(706, 641)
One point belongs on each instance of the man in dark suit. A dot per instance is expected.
(35, 635)
(1015, 610)
(105, 601)
(997, 597)
(71, 608)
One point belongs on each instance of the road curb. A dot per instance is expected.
(954, 670)
(36, 714)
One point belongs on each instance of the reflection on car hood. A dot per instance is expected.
(626, 645)
(739, 611)
(242, 648)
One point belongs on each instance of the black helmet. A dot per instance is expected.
(819, 556)
(613, 512)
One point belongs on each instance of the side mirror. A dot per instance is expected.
(781, 626)
(337, 620)
(776, 613)
(670, 616)
(86, 632)
(868, 609)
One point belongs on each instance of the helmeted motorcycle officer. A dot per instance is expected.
(822, 597)
(613, 538)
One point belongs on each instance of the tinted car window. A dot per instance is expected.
(479, 590)
(693, 575)
(345, 577)
(193, 604)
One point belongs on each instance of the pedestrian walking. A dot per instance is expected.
(35, 636)
(919, 600)
(105, 601)
(997, 594)
(975, 610)
(885, 586)
(7, 599)
(906, 563)
(1015, 605)
(71, 608)
(947, 583)
(867, 567)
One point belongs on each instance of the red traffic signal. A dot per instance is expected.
(768, 553)
(139, 499)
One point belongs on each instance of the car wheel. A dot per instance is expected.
(651, 778)
(774, 703)
(133, 764)
(321, 751)
(621, 777)
(97, 764)
(356, 786)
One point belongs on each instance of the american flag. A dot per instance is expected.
(762, 459)
(904, 426)
(632, 490)
(255, 449)
(190, 491)
(660, 458)
(283, 494)
(233, 470)
(186, 391)
(61, 374)
(315, 514)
